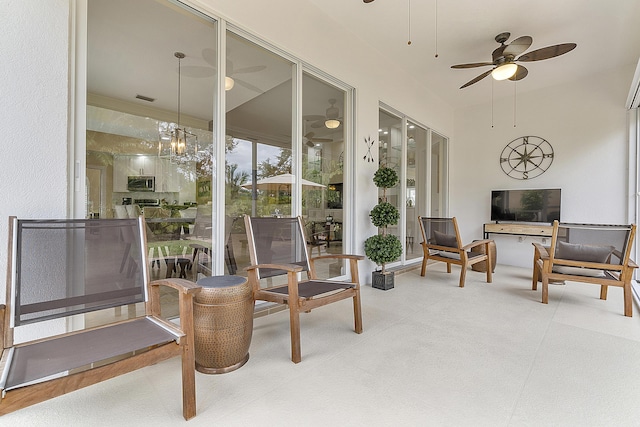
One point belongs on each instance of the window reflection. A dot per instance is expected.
(258, 146)
(132, 95)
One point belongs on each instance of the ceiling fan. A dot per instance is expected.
(209, 55)
(310, 140)
(330, 120)
(504, 58)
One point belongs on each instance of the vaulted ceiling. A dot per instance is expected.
(607, 33)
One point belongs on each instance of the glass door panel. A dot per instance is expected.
(133, 94)
(258, 146)
(416, 179)
(390, 151)
(323, 135)
(439, 175)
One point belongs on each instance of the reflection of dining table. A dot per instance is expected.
(171, 248)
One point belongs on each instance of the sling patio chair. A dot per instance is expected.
(587, 253)
(441, 242)
(59, 331)
(277, 247)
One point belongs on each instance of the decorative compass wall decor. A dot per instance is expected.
(526, 157)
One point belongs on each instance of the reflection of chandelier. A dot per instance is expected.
(176, 141)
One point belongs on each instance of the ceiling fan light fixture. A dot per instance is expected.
(228, 83)
(332, 123)
(504, 71)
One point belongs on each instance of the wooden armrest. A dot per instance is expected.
(181, 285)
(186, 291)
(542, 251)
(632, 264)
(338, 256)
(474, 244)
(286, 267)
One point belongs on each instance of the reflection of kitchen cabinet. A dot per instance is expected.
(125, 166)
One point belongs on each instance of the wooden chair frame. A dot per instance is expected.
(292, 299)
(133, 359)
(464, 255)
(545, 271)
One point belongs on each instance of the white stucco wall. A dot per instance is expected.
(585, 122)
(33, 106)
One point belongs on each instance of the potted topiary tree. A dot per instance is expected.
(383, 247)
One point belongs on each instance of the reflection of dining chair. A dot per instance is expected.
(316, 235)
(272, 255)
(441, 242)
(202, 243)
(202, 229)
(587, 253)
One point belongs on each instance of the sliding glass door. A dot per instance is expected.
(419, 156)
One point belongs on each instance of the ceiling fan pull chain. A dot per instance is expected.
(436, 28)
(492, 103)
(409, 19)
(515, 110)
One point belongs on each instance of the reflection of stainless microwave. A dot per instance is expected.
(141, 183)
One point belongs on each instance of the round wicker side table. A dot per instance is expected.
(223, 323)
(482, 265)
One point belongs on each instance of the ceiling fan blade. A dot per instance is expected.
(322, 140)
(547, 52)
(318, 124)
(518, 46)
(313, 117)
(367, 1)
(477, 79)
(253, 69)
(249, 86)
(520, 74)
(472, 65)
(209, 55)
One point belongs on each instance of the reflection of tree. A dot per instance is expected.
(234, 180)
(282, 165)
(532, 200)
(532, 203)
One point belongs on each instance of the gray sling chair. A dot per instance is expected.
(277, 247)
(587, 253)
(83, 287)
(441, 242)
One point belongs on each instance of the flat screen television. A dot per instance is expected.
(541, 205)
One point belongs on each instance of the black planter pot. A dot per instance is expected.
(382, 281)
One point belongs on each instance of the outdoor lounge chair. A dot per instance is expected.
(587, 253)
(80, 309)
(277, 247)
(441, 242)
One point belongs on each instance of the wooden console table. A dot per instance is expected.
(542, 230)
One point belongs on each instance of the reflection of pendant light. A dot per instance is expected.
(332, 114)
(504, 71)
(181, 143)
(228, 83)
(332, 123)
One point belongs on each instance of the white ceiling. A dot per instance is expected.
(607, 33)
(131, 46)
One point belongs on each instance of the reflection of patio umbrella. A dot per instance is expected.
(276, 182)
